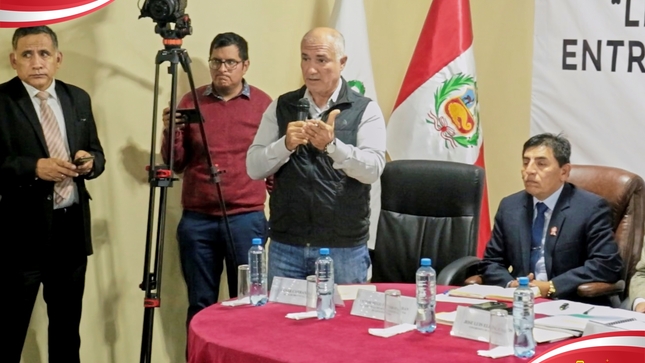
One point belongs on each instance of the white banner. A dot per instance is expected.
(589, 79)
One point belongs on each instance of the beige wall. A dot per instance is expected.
(111, 54)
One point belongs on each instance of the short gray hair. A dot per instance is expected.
(339, 44)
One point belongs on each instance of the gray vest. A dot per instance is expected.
(312, 203)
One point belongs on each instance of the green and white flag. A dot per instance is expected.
(348, 17)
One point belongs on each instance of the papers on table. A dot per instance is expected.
(497, 352)
(446, 318)
(237, 302)
(478, 330)
(302, 315)
(489, 292)
(567, 324)
(459, 300)
(393, 330)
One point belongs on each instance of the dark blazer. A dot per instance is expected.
(26, 203)
(582, 250)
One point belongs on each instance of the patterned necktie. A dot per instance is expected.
(536, 234)
(56, 146)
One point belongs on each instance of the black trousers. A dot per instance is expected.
(60, 267)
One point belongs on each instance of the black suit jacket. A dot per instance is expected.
(582, 250)
(26, 204)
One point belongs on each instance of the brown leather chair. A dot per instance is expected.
(625, 193)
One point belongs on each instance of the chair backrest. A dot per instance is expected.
(428, 209)
(625, 193)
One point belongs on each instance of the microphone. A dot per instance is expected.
(303, 109)
(303, 114)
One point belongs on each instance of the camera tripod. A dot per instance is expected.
(162, 177)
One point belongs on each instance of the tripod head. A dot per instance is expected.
(165, 13)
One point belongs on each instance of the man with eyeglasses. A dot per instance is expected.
(323, 167)
(232, 110)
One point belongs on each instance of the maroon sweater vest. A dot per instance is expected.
(230, 128)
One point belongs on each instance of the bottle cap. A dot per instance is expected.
(324, 251)
(256, 241)
(524, 281)
(426, 262)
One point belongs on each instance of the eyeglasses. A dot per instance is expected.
(229, 63)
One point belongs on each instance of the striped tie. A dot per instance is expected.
(56, 145)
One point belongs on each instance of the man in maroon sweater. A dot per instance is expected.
(232, 111)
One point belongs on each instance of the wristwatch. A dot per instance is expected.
(331, 147)
(551, 291)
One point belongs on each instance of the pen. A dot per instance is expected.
(564, 306)
(587, 312)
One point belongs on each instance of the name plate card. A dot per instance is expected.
(471, 324)
(294, 292)
(288, 291)
(371, 304)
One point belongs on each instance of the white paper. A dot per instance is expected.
(497, 352)
(563, 307)
(447, 318)
(393, 330)
(237, 302)
(460, 300)
(568, 323)
(483, 291)
(546, 335)
(302, 315)
(349, 292)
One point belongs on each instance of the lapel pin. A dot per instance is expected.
(554, 231)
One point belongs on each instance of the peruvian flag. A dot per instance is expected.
(26, 13)
(436, 115)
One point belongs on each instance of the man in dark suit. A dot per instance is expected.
(48, 148)
(558, 235)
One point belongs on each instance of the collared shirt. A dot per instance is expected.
(246, 91)
(550, 201)
(363, 162)
(316, 111)
(54, 102)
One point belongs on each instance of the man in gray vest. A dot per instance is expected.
(323, 166)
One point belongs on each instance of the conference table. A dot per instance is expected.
(262, 334)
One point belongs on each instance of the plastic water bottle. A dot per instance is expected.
(426, 297)
(257, 273)
(325, 307)
(523, 343)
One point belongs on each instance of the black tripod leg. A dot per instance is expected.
(159, 177)
(231, 257)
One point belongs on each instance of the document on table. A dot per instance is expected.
(567, 324)
(540, 335)
(489, 292)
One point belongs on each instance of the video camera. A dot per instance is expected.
(164, 12)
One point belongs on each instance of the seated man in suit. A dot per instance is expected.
(637, 286)
(558, 235)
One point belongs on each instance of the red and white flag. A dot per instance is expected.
(436, 115)
(25, 13)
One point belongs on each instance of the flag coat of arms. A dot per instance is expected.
(436, 114)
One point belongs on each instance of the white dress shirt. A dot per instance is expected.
(363, 162)
(54, 103)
